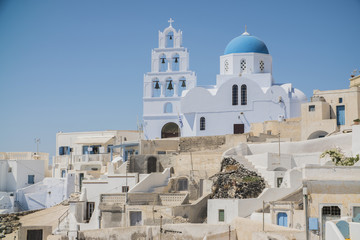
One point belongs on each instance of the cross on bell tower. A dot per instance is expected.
(170, 21)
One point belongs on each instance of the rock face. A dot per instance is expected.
(10, 222)
(235, 181)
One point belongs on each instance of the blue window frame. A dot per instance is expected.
(282, 219)
(31, 179)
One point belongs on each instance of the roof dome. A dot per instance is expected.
(245, 43)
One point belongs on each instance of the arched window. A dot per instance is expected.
(170, 40)
(168, 108)
(182, 85)
(163, 63)
(202, 124)
(175, 62)
(243, 64)
(156, 88)
(243, 94)
(169, 91)
(235, 95)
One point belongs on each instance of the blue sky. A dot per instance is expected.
(70, 65)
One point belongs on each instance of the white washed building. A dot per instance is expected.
(245, 91)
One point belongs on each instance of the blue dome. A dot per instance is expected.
(246, 44)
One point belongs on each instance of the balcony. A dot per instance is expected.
(104, 158)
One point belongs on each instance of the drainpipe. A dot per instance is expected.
(305, 193)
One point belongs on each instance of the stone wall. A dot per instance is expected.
(212, 143)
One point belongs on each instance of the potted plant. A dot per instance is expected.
(357, 121)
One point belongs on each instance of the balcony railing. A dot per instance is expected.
(72, 159)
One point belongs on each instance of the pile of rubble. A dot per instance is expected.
(235, 181)
(8, 223)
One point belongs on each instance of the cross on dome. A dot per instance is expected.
(245, 33)
(171, 21)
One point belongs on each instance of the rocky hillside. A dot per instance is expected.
(235, 181)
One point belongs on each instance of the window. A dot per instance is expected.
(262, 65)
(221, 215)
(243, 95)
(202, 124)
(156, 88)
(279, 181)
(9, 169)
(89, 210)
(63, 173)
(109, 148)
(125, 188)
(183, 184)
(31, 179)
(93, 149)
(242, 64)
(312, 108)
(235, 95)
(64, 150)
(340, 100)
(331, 210)
(226, 65)
(168, 108)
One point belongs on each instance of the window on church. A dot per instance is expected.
(202, 124)
(243, 94)
(170, 40)
(169, 91)
(242, 64)
(175, 62)
(163, 63)
(156, 88)
(262, 65)
(182, 85)
(226, 66)
(168, 108)
(312, 108)
(235, 95)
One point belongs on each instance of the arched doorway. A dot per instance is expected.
(170, 130)
(151, 164)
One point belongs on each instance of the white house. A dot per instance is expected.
(245, 91)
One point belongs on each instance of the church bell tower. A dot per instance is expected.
(168, 80)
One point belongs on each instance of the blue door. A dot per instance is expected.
(340, 115)
(282, 219)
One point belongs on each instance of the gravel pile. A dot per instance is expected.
(235, 181)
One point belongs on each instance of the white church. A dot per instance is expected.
(245, 91)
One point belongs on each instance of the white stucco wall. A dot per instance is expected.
(355, 140)
(14, 173)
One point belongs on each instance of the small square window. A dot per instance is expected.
(340, 100)
(221, 215)
(125, 188)
(312, 108)
(9, 169)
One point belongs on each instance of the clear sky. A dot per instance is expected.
(70, 65)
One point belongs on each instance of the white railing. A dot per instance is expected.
(172, 199)
(71, 159)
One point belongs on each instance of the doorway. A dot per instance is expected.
(328, 213)
(34, 234)
(135, 218)
(239, 128)
(340, 115)
(170, 130)
(151, 164)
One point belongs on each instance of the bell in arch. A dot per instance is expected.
(157, 85)
(162, 60)
(176, 60)
(183, 84)
(170, 87)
